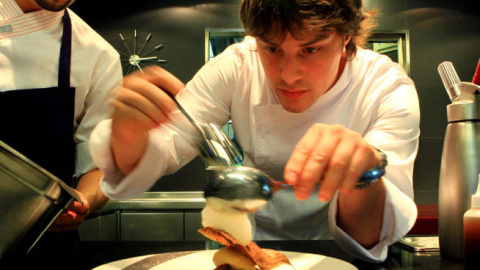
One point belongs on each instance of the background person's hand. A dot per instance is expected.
(73, 216)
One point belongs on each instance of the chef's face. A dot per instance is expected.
(53, 5)
(301, 70)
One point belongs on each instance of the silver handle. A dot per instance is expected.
(450, 79)
(215, 148)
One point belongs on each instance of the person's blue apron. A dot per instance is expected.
(39, 124)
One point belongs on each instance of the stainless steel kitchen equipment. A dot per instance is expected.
(30, 200)
(460, 163)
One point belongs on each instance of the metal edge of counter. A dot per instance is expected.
(158, 200)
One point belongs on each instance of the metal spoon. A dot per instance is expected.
(246, 183)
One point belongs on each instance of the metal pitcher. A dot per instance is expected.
(460, 164)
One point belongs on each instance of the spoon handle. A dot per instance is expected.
(367, 179)
(190, 119)
(215, 147)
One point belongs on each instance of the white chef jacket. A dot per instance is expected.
(29, 58)
(373, 96)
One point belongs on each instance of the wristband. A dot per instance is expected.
(372, 176)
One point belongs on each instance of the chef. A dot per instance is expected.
(57, 76)
(308, 105)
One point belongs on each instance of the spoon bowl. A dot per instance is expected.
(238, 188)
(238, 183)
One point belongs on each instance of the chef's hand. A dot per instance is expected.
(333, 155)
(141, 105)
(73, 216)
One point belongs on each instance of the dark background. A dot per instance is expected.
(439, 30)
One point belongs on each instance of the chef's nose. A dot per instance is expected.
(291, 71)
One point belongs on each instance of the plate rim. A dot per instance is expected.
(192, 252)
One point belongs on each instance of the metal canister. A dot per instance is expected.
(460, 161)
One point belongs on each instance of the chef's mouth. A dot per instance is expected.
(293, 94)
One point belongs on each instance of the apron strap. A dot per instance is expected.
(39, 122)
(65, 52)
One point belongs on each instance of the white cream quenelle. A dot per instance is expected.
(223, 215)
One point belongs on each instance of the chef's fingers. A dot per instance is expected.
(319, 159)
(299, 156)
(138, 108)
(308, 160)
(162, 79)
(336, 174)
(131, 106)
(151, 92)
(365, 158)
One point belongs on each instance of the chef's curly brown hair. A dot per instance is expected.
(272, 19)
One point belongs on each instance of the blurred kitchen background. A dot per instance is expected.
(426, 32)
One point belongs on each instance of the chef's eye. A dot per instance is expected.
(311, 50)
(271, 49)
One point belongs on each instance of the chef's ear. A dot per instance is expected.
(346, 40)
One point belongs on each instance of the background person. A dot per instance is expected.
(57, 78)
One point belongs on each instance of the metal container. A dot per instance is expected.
(30, 200)
(460, 161)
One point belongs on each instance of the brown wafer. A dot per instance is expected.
(265, 259)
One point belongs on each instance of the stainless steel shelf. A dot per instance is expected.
(159, 200)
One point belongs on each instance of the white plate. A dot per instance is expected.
(202, 260)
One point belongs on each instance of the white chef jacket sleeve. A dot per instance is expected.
(106, 79)
(399, 216)
(169, 148)
(395, 131)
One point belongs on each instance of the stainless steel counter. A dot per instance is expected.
(151, 216)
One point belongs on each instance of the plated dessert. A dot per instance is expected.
(233, 230)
